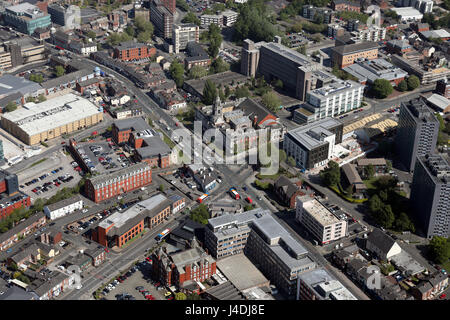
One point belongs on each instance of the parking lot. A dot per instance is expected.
(138, 278)
(49, 176)
(101, 156)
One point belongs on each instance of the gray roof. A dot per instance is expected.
(155, 147)
(306, 135)
(21, 226)
(67, 78)
(10, 84)
(130, 45)
(190, 256)
(251, 109)
(356, 47)
(241, 272)
(381, 240)
(225, 291)
(372, 161)
(288, 186)
(351, 173)
(94, 251)
(64, 203)
(370, 70)
(16, 293)
(134, 124)
(42, 286)
(237, 219)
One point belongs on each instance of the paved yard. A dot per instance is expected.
(135, 280)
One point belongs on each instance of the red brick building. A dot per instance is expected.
(121, 227)
(13, 235)
(150, 148)
(183, 268)
(169, 4)
(130, 50)
(345, 5)
(288, 191)
(10, 196)
(106, 186)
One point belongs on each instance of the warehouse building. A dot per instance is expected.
(35, 123)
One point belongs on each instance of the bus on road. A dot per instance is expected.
(202, 198)
(234, 193)
(162, 235)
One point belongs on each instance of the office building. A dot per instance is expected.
(162, 19)
(207, 19)
(417, 132)
(430, 195)
(332, 99)
(275, 61)
(323, 224)
(229, 18)
(345, 55)
(68, 16)
(130, 50)
(312, 145)
(310, 12)
(443, 88)
(183, 34)
(408, 14)
(367, 71)
(277, 254)
(424, 6)
(52, 118)
(372, 33)
(109, 185)
(26, 17)
(122, 226)
(319, 284)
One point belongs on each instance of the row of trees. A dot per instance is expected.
(411, 83)
(200, 214)
(382, 88)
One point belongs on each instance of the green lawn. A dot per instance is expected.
(37, 162)
(370, 183)
(446, 266)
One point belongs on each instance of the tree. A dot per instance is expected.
(402, 86)
(193, 296)
(191, 18)
(403, 223)
(11, 106)
(388, 165)
(375, 203)
(271, 101)
(242, 92)
(209, 92)
(59, 71)
(145, 36)
(369, 171)
(227, 92)
(41, 98)
(413, 82)
(302, 49)
(331, 175)
(197, 72)
(130, 31)
(182, 4)
(382, 88)
(36, 77)
(177, 71)
(221, 94)
(161, 187)
(200, 214)
(439, 249)
(291, 161)
(180, 296)
(385, 217)
(91, 34)
(282, 154)
(218, 66)
(215, 40)
(143, 25)
(248, 207)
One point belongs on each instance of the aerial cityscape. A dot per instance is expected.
(224, 150)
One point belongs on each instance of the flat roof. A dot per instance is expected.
(241, 272)
(307, 139)
(36, 118)
(355, 47)
(288, 53)
(407, 12)
(320, 212)
(334, 88)
(375, 69)
(120, 218)
(439, 101)
(10, 84)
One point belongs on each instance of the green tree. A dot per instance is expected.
(242, 92)
(161, 187)
(271, 101)
(41, 98)
(282, 154)
(227, 92)
(382, 88)
(180, 295)
(191, 18)
(388, 165)
(36, 77)
(302, 49)
(59, 71)
(439, 248)
(130, 31)
(145, 36)
(215, 40)
(182, 4)
(291, 161)
(91, 34)
(331, 175)
(218, 66)
(278, 84)
(197, 72)
(143, 25)
(221, 94)
(193, 296)
(200, 214)
(11, 106)
(413, 82)
(209, 92)
(177, 72)
(403, 223)
(402, 86)
(369, 171)
(385, 217)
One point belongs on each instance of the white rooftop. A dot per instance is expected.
(439, 101)
(320, 212)
(120, 218)
(36, 118)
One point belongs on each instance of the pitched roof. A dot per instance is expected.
(355, 47)
(381, 240)
(288, 186)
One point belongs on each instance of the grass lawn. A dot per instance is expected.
(270, 177)
(446, 266)
(37, 162)
(370, 183)
(167, 140)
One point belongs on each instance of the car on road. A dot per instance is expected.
(443, 296)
